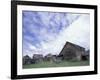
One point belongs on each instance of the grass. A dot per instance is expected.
(53, 64)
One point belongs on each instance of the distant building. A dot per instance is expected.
(52, 58)
(48, 57)
(26, 60)
(37, 58)
(72, 52)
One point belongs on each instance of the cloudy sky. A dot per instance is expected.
(47, 32)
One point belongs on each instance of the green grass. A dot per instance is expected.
(53, 64)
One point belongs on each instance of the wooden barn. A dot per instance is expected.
(72, 52)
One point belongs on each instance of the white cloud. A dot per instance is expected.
(78, 33)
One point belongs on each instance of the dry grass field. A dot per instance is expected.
(47, 64)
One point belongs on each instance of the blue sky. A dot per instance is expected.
(47, 32)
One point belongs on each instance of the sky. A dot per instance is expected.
(47, 32)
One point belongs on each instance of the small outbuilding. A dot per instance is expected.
(26, 60)
(37, 58)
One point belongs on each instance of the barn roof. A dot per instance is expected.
(72, 44)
